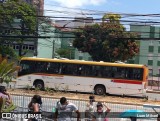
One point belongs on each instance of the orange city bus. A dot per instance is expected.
(83, 76)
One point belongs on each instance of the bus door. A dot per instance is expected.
(135, 84)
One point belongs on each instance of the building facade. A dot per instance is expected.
(29, 46)
(67, 35)
(149, 49)
(47, 46)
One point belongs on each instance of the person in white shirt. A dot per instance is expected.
(89, 108)
(64, 110)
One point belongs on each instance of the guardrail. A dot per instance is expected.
(22, 102)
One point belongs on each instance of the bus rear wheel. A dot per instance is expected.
(100, 90)
(39, 85)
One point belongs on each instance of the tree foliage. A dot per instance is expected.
(108, 41)
(16, 18)
(7, 71)
(64, 53)
(18, 9)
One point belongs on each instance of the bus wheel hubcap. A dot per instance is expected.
(99, 91)
(39, 85)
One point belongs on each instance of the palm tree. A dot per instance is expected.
(7, 71)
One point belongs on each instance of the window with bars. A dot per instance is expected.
(24, 47)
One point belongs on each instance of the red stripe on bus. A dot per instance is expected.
(127, 81)
(47, 74)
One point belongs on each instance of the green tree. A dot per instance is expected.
(108, 41)
(7, 71)
(16, 18)
(65, 53)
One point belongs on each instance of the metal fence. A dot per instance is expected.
(154, 81)
(22, 102)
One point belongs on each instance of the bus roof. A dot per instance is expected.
(82, 62)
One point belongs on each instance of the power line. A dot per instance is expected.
(104, 12)
(20, 36)
(80, 18)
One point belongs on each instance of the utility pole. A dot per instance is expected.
(53, 55)
(21, 41)
(37, 3)
(36, 40)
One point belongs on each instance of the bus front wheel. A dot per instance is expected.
(39, 84)
(100, 90)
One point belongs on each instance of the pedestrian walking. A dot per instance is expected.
(64, 110)
(101, 113)
(90, 108)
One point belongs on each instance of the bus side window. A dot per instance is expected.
(96, 73)
(74, 69)
(112, 72)
(43, 67)
(64, 68)
(80, 70)
(24, 69)
(67, 69)
(53, 68)
(135, 73)
(130, 73)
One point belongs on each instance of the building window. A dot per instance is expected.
(151, 49)
(31, 47)
(152, 31)
(17, 47)
(158, 63)
(158, 49)
(23, 47)
(80, 57)
(150, 62)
